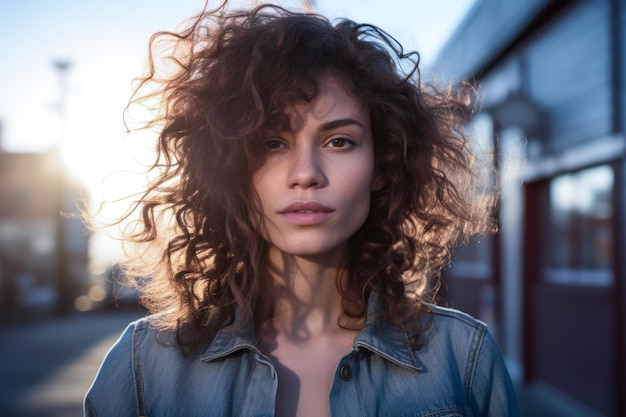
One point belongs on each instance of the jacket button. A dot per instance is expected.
(345, 372)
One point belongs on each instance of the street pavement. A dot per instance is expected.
(48, 364)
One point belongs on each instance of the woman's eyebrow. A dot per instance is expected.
(339, 123)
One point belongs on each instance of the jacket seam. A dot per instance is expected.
(454, 314)
(357, 362)
(137, 372)
(472, 360)
(242, 402)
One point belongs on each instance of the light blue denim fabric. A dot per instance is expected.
(458, 371)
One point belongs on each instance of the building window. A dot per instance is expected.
(580, 233)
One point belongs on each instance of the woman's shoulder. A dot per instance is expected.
(453, 319)
(458, 335)
(116, 381)
(143, 338)
(470, 346)
(455, 329)
(144, 327)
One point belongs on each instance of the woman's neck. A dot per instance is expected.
(306, 296)
(303, 338)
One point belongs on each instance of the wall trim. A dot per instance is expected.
(593, 152)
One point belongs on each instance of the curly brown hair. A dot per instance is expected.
(236, 72)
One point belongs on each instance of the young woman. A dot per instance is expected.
(309, 193)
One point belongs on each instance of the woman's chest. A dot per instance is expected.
(305, 374)
(357, 384)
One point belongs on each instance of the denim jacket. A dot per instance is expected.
(457, 371)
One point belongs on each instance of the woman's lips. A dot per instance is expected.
(306, 213)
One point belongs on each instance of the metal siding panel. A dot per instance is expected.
(489, 27)
(567, 80)
(569, 74)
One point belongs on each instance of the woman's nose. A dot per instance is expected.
(306, 170)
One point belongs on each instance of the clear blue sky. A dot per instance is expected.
(106, 42)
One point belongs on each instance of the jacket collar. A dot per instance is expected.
(230, 339)
(386, 340)
(377, 336)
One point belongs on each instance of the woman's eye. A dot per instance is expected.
(340, 142)
(274, 144)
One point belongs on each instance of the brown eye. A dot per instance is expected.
(340, 142)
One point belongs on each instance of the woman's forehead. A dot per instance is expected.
(332, 100)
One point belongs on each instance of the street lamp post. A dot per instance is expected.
(64, 285)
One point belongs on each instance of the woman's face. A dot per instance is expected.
(316, 179)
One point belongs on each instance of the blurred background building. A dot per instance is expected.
(43, 249)
(552, 77)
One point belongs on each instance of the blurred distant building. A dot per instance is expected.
(552, 284)
(43, 256)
